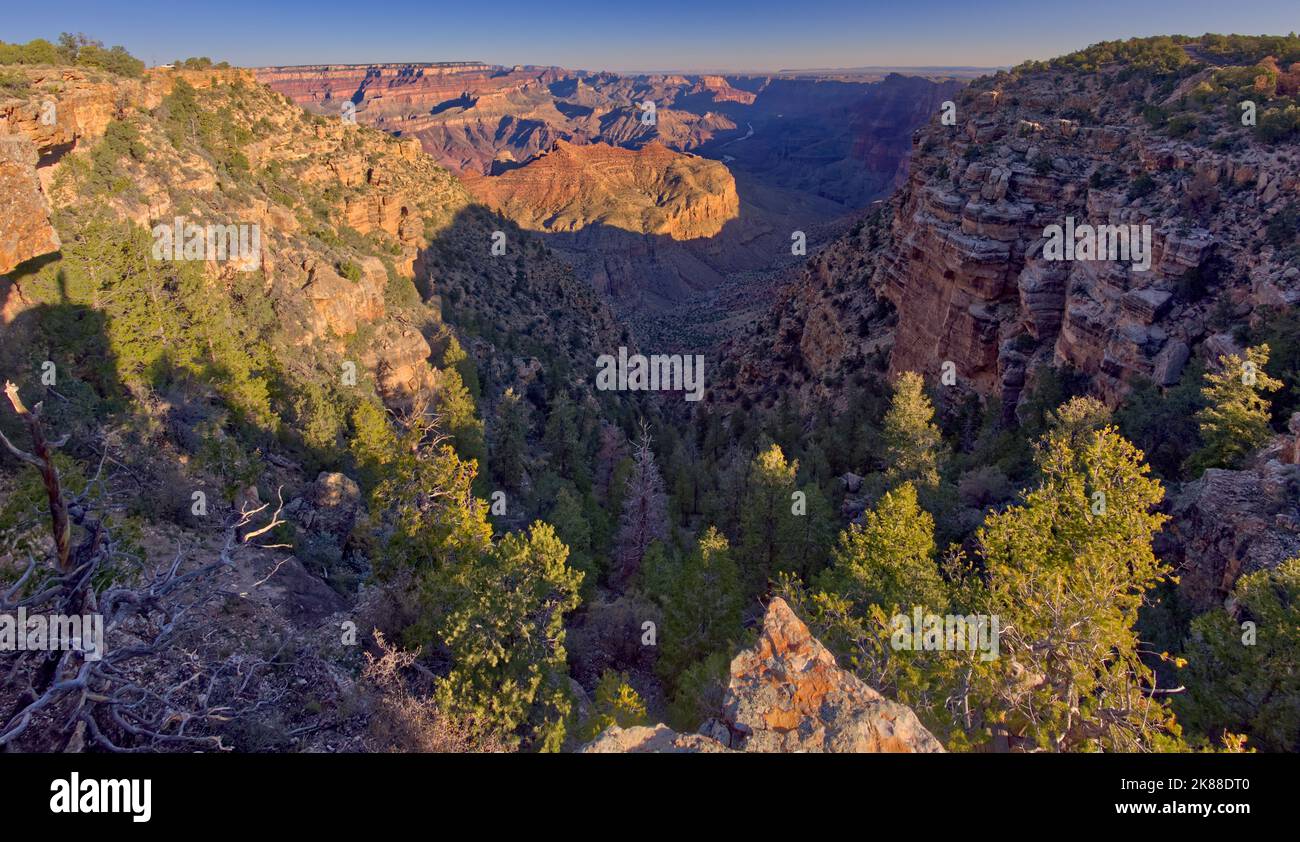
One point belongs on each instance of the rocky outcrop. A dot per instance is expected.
(787, 694)
(964, 263)
(660, 739)
(1230, 523)
(720, 90)
(25, 229)
(651, 190)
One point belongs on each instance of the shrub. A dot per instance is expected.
(1143, 185)
(350, 270)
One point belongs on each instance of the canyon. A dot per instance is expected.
(382, 369)
(767, 156)
(952, 269)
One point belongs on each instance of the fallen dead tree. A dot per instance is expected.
(154, 684)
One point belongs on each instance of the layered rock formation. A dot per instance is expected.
(404, 219)
(471, 116)
(788, 695)
(25, 229)
(63, 110)
(964, 264)
(966, 268)
(720, 90)
(651, 190)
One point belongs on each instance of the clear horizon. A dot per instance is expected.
(727, 37)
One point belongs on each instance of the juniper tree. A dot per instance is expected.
(1068, 570)
(504, 629)
(495, 610)
(881, 570)
(433, 519)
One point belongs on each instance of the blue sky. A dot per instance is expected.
(643, 35)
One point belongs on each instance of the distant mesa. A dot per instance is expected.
(651, 190)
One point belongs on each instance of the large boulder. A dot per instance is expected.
(788, 695)
(335, 499)
(660, 739)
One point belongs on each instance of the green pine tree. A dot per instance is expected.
(1243, 664)
(564, 442)
(1235, 420)
(460, 418)
(769, 528)
(504, 629)
(615, 703)
(702, 606)
(511, 439)
(454, 356)
(889, 560)
(912, 442)
(1068, 570)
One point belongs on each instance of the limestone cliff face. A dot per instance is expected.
(965, 265)
(651, 190)
(788, 695)
(393, 87)
(345, 213)
(25, 229)
(61, 111)
(962, 263)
